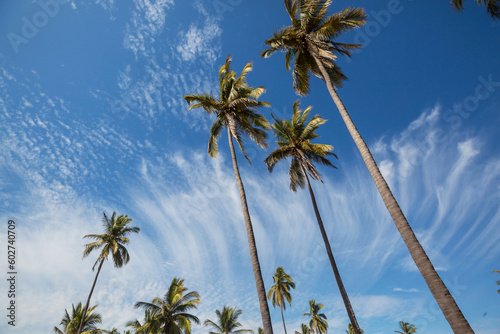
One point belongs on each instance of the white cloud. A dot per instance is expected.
(199, 42)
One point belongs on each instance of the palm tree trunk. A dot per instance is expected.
(261, 290)
(445, 300)
(343, 292)
(282, 318)
(88, 299)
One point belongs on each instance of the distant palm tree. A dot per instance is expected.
(492, 6)
(318, 323)
(227, 322)
(294, 141)
(350, 330)
(280, 291)
(113, 331)
(260, 330)
(406, 328)
(70, 323)
(498, 282)
(303, 330)
(172, 310)
(236, 110)
(112, 242)
(151, 325)
(310, 42)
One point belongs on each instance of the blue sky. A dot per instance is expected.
(92, 118)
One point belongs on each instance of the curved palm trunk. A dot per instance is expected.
(90, 295)
(445, 300)
(343, 292)
(261, 290)
(282, 318)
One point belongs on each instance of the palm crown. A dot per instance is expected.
(113, 240)
(310, 37)
(172, 310)
(318, 323)
(70, 323)
(236, 109)
(492, 6)
(227, 322)
(280, 291)
(294, 140)
(406, 328)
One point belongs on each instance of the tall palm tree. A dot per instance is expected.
(492, 6)
(70, 323)
(112, 242)
(303, 330)
(172, 310)
(406, 328)
(280, 291)
(151, 324)
(309, 43)
(318, 323)
(294, 141)
(236, 109)
(350, 330)
(227, 322)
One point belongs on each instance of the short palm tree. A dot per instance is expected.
(151, 324)
(171, 311)
(260, 330)
(227, 322)
(280, 291)
(70, 323)
(236, 110)
(406, 328)
(492, 6)
(350, 330)
(318, 323)
(112, 243)
(303, 330)
(294, 141)
(310, 43)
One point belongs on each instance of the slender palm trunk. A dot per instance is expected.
(90, 295)
(259, 282)
(343, 292)
(282, 317)
(445, 300)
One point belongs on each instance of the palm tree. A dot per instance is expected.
(406, 328)
(492, 6)
(227, 322)
(113, 331)
(236, 109)
(294, 141)
(71, 322)
(260, 330)
(280, 291)
(112, 242)
(172, 310)
(318, 323)
(498, 282)
(151, 324)
(309, 42)
(303, 330)
(350, 330)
